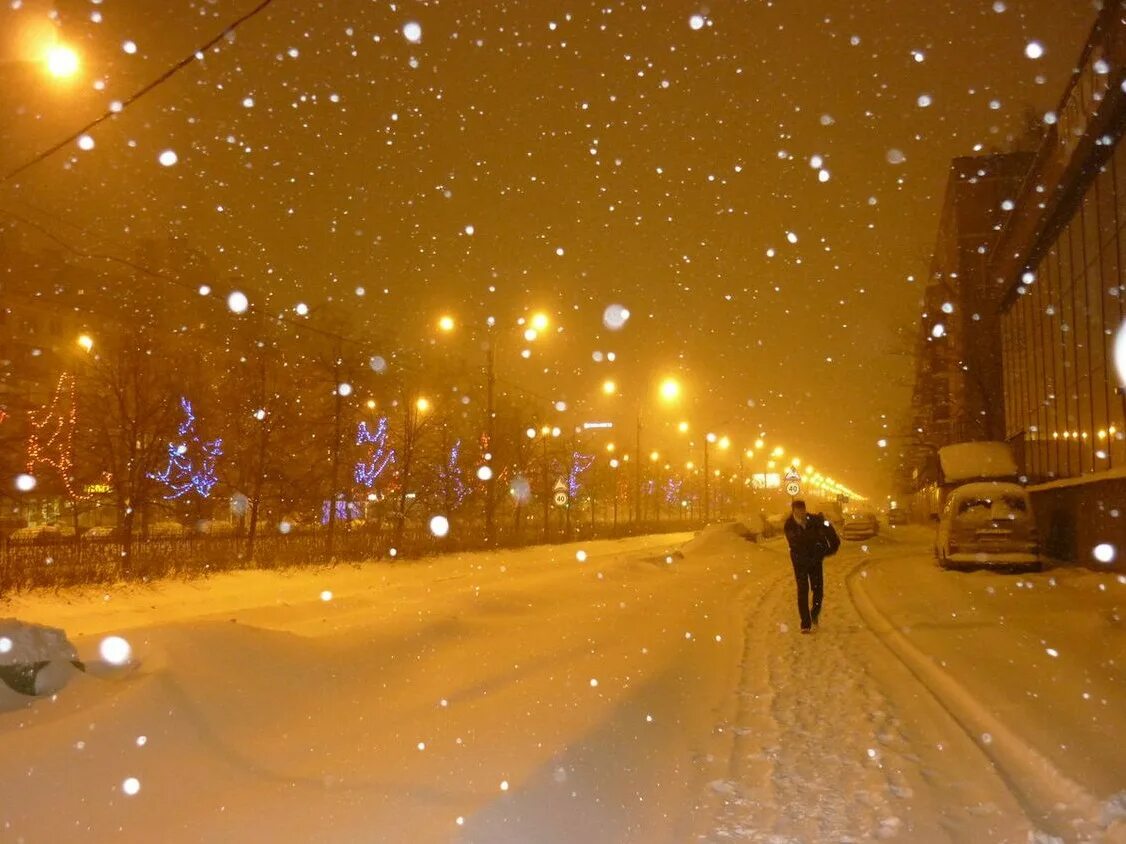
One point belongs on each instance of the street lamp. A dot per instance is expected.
(609, 388)
(85, 342)
(724, 443)
(537, 323)
(545, 434)
(669, 391)
(62, 61)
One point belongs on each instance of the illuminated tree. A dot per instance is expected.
(368, 471)
(51, 442)
(191, 462)
(452, 477)
(579, 464)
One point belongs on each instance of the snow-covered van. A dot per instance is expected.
(985, 516)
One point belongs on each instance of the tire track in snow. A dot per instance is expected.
(819, 750)
(1057, 803)
(746, 769)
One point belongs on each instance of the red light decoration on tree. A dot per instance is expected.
(51, 442)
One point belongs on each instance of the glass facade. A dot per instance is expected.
(1064, 409)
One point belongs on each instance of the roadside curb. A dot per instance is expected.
(1049, 797)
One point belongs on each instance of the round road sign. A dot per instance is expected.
(560, 499)
(793, 488)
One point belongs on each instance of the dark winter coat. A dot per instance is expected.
(813, 543)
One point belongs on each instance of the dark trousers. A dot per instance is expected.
(809, 576)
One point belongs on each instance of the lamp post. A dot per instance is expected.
(724, 443)
(545, 433)
(537, 324)
(669, 391)
(614, 486)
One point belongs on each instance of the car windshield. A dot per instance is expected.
(986, 505)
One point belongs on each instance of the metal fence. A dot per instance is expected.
(70, 561)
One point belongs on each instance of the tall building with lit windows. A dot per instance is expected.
(1060, 264)
(957, 377)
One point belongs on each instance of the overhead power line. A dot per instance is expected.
(160, 80)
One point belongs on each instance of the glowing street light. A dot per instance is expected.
(422, 405)
(609, 388)
(724, 442)
(682, 427)
(654, 456)
(446, 323)
(540, 321)
(670, 390)
(62, 61)
(85, 342)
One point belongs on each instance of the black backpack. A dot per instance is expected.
(829, 539)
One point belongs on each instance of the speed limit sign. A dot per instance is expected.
(792, 488)
(560, 499)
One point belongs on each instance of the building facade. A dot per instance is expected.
(1060, 266)
(957, 350)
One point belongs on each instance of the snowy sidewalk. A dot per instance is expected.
(834, 738)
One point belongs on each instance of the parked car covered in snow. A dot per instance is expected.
(38, 533)
(103, 533)
(167, 530)
(215, 528)
(989, 523)
(860, 524)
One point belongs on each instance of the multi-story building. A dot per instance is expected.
(957, 377)
(1060, 265)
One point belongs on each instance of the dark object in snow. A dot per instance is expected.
(21, 677)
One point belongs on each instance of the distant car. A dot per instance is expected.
(861, 524)
(102, 533)
(213, 528)
(897, 517)
(37, 533)
(988, 523)
(167, 530)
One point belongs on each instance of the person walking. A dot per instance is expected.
(812, 539)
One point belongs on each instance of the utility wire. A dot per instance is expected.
(155, 83)
(164, 77)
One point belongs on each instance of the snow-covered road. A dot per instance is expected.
(655, 690)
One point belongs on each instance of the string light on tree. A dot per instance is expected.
(368, 471)
(182, 475)
(452, 477)
(579, 464)
(51, 442)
